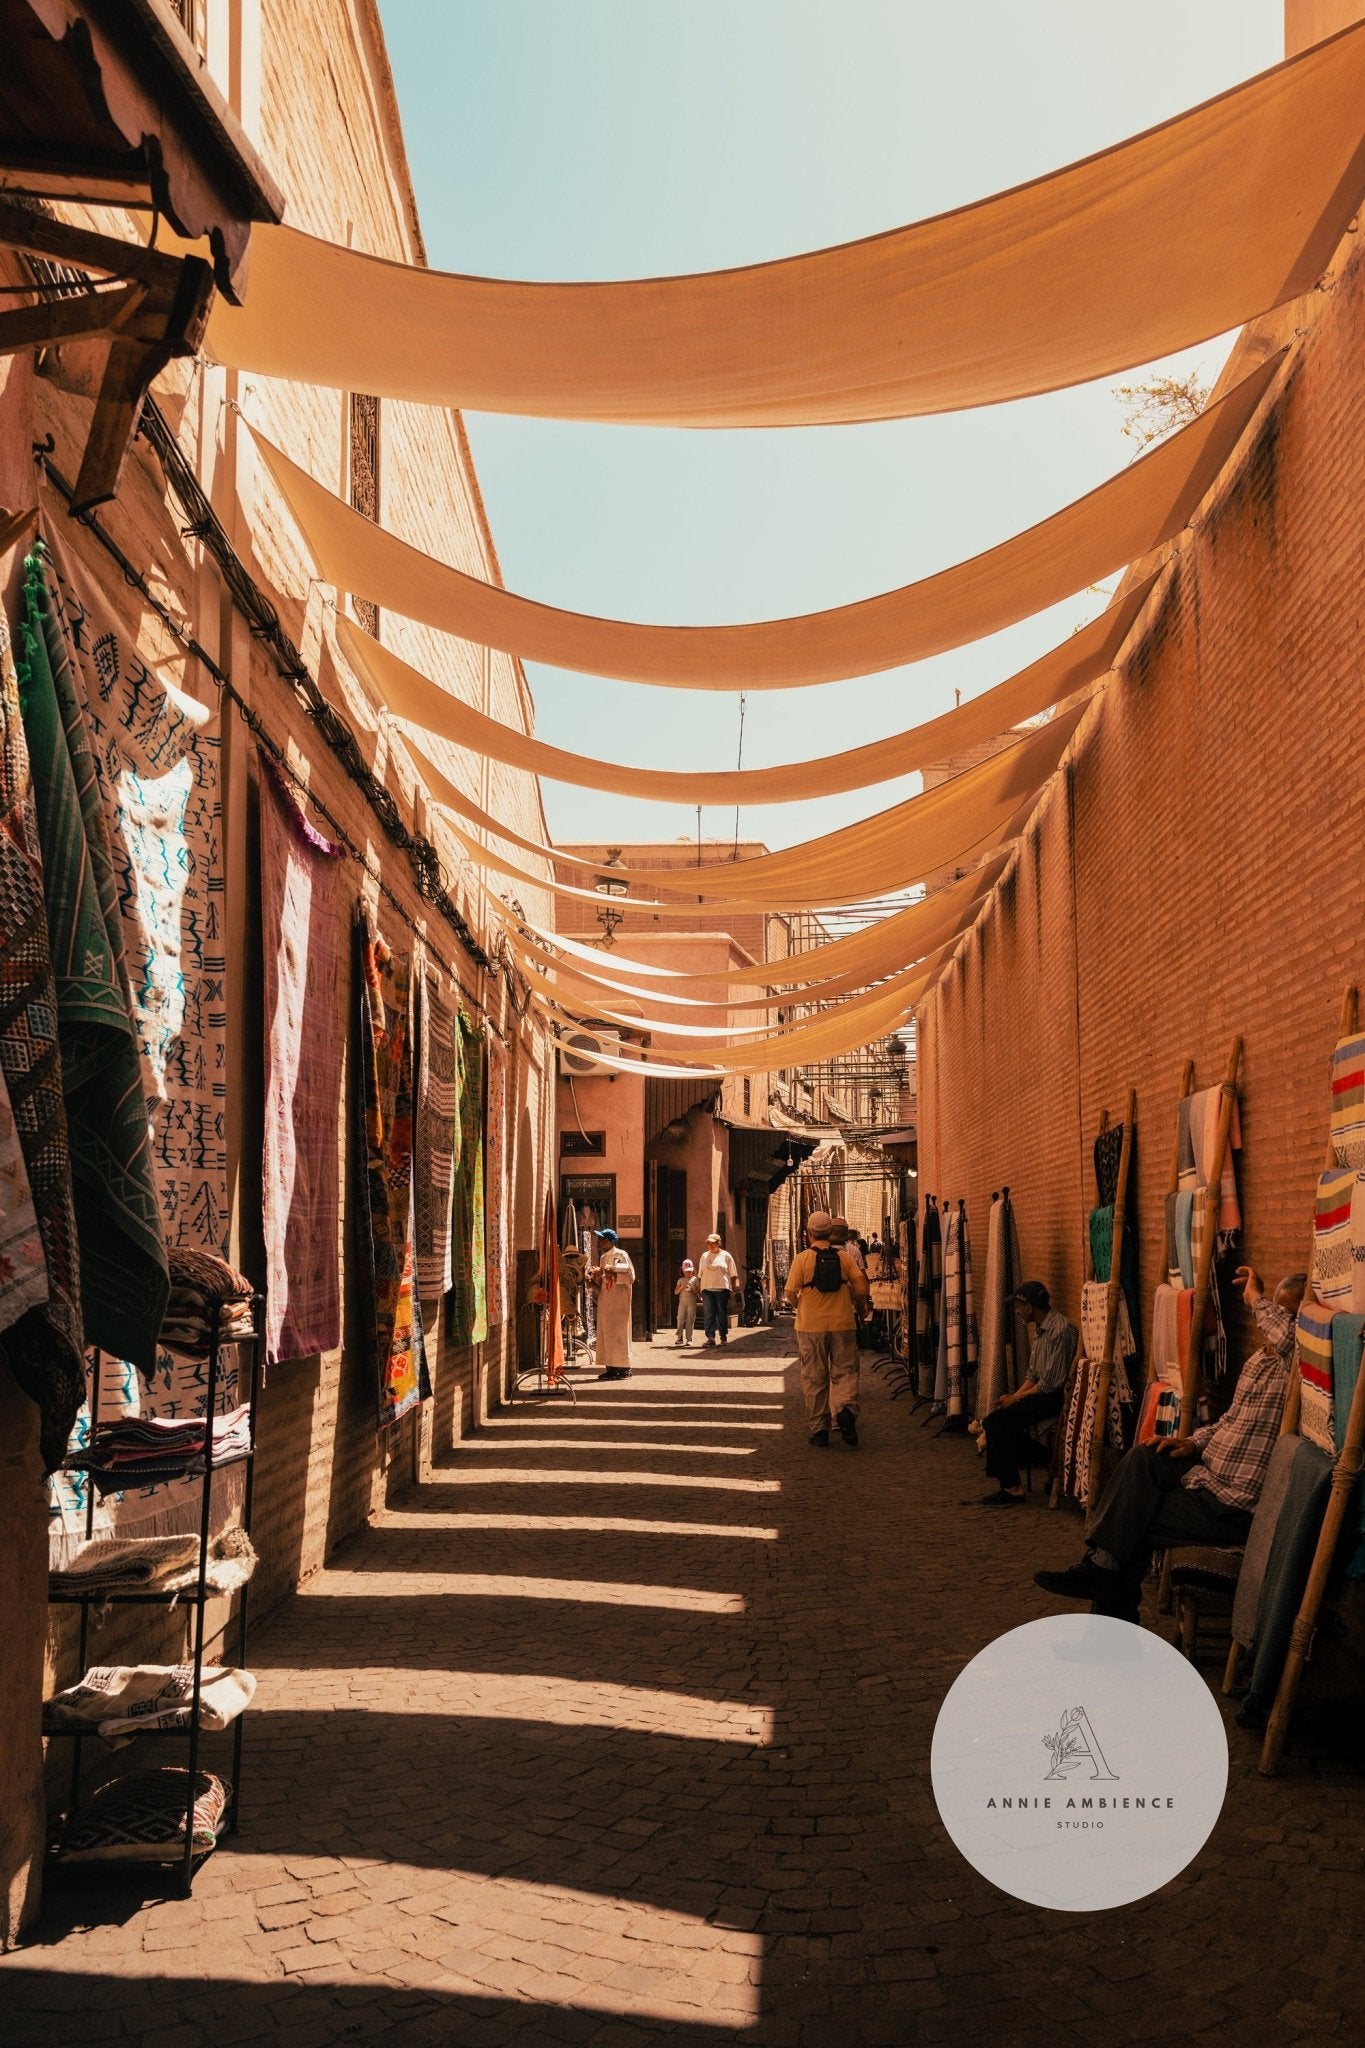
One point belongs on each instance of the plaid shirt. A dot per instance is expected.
(1055, 1343)
(1235, 1451)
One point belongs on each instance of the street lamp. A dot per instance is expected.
(610, 885)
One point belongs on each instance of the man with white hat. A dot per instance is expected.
(717, 1274)
(826, 1285)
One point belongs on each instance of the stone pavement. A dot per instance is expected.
(618, 1732)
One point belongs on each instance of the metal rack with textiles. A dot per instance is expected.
(186, 1850)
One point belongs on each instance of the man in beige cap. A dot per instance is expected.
(827, 1288)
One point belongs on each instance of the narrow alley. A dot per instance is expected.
(616, 1731)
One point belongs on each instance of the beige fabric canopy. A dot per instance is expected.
(1177, 235)
(1147, 503)
(1056, 675)
(709, 1038)
(890, 942)
(821, 1038)
(890, 850)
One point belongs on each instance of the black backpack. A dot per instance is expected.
(828, 1276)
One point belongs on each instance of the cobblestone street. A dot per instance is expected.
(619, 1731)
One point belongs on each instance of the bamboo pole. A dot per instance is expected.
(1054, 1498)
(1344, 1477)
(1204, 1269)
(1113, 1298)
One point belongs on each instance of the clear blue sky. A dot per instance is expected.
(617, 138)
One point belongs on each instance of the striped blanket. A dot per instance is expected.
(1167, 1360)
(929, 1301)
(959, 1349)
(1313, 1350)
(1206, 1110)
(1348, 1101)
(1332, 1248)
(1184, 1237)
(1160, 1413)
(1348, 1332)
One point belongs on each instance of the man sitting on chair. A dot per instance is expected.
(1196, 1489)
(1008, 1428)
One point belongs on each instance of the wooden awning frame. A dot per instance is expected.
(150, 306)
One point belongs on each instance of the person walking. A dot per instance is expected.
(826, 1286)
(613, 1277)
(716, 1275)
(686, 1291)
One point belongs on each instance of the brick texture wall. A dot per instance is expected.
(1195, 871)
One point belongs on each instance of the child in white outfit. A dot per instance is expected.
(687, 1291)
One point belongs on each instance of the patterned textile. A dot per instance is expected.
(43, 1347)
(1347, 1335)
(929, 1300)
(23, 1268)
(1108, 1153)
(1314, 1352)
(393, 1316)
(1206, 1110)
(1075, 1438)
(1160, 1413)
(1332, 1255)
(119, 1701)
(303, 928)
(495, 1182)
(111, 1562)
(958, 1350)
(550, 1284)
(1348, 1102)
(156, 753)
(1094, 1317)
(437, 1142)
(1101, 1256)
(140, 1817)
(118, 1226)
(468, 1300)
(1255, 1557)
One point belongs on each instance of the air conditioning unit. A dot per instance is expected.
(580, 1051)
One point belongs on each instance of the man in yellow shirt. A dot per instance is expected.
(827, 1287)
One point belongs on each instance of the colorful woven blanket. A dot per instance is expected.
(1348, 1101)
(1160, 1413)
(469, 1294)
(437, 1143)
(118, 1225)
(1206, 1109)
(1313, 1351)
(393, 1317)
(1332, 1249)
(495, 1183)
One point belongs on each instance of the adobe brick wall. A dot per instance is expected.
(1195, 871)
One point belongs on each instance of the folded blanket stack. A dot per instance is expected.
(142, 1449)
(111, 1564)
(119, 1701)
(201, 1284)
(140, 1818)
(156, 1564)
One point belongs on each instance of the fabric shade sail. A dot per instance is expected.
(1123, 519)
(706, 1038)
(1056, 675)
(890, 850)
(890, 942)
(1165, 240)
(820, 1038)
(575, 985)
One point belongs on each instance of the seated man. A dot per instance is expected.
(1008, 1429)
(1197, 1489)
